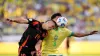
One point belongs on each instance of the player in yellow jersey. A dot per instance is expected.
(55, 37)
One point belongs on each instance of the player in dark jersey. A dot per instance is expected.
(35, 32)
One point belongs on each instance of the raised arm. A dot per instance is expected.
(21, 20)
(84, 34)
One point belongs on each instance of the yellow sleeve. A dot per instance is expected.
(69, 33)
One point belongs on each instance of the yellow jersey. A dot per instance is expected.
(53, 40)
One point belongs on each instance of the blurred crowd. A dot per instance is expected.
(82, 15)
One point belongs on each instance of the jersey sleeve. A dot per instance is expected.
(69, 33)
(30, 20)
(34, 23)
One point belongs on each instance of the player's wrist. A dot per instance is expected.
(13, 21)
(89, 34)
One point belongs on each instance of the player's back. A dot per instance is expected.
(32, 34)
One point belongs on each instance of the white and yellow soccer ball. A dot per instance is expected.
(62, 22)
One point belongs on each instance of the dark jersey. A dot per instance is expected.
(33, 33)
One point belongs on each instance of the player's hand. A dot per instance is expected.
(9, 20)
(38, 52)
(93, 32)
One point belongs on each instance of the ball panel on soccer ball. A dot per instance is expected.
(62, 22)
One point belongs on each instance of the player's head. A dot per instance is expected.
(48, 25)
(55, 16)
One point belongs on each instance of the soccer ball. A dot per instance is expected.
(62, 22)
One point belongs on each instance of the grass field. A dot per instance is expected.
(67, 55)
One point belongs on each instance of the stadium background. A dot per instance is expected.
(83, 16)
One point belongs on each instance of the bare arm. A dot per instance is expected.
(68, 41)
(38, 47)
(68, 45)
(84, 34)
(21, 20)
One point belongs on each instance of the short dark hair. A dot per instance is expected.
(54, 15)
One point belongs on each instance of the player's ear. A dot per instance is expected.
(56, 26)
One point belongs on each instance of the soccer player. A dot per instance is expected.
(36, 31)
(55, 37)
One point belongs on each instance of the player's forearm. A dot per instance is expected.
(18, 20)
(81, 34)
(84, 34)
(38, 45)
(68, 41)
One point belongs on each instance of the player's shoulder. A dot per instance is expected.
(33, 22)
(64, 29)
(32, 19)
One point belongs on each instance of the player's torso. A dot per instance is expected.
(48, 42)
